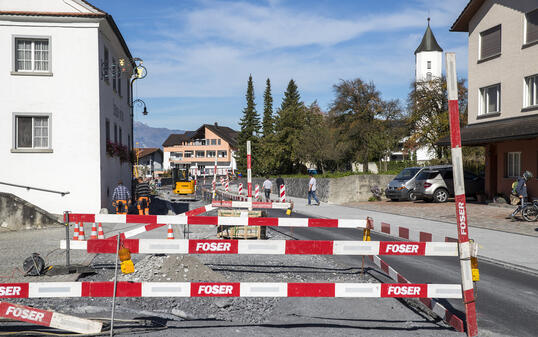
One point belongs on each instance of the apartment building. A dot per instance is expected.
(197, 150)
(66, 118)
(503, 93)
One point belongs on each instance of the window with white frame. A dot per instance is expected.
(429, 64)
(32, 55)
(188, 154)
(428, 76)
(531, 34)
(531, 91)
(513, 164)
(32, 132)
(176, 155)
(223, 154)
(213, 142)
(200, 154)
(490, 99)
(211, 154)
(105, 64)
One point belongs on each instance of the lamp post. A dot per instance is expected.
(139, 72)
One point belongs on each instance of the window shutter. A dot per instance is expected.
(490, 42)
(532, 26)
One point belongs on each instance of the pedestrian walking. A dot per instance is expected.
(279, 182)
(121, 198)
(521, 192)
(312, 190)
(267, 186)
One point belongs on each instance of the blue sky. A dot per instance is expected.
(199, 54)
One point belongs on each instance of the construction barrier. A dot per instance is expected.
(228, 289)
(282, 193)
(41, 317)
(274, 247)
(246, 204)
(257, 192)
(240, 189)
(156, 220)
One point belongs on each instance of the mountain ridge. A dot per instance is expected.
(147, 136)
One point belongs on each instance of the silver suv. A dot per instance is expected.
(403, 185)
(437, 184)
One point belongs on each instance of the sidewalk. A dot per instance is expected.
(515, 250)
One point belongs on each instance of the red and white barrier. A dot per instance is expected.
(272, 247)
(229, 289)
(246, 204)
(257, 192)
(227, 188)
(459, 195)
(282, 193)
(45, 317)
(431, 303)
(156, 220)
(239, 189)
(409, 234)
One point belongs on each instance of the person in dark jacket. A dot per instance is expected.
(521, 191)
(142, 193)
(279, 182)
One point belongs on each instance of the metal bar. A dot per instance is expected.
(35, 188)
(459, 191)
(115, 288)
(67, 245)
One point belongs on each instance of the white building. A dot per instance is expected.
(61, 103)
(428, 65)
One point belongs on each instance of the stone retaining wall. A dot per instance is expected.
(332, 190)
(17, 214)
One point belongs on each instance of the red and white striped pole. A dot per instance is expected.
(214, 180)
(282, 193)
(240, 190)
(249, 173)
(227, 188)
(257, 192)
(459, 192)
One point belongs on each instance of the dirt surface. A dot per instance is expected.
(479, 215)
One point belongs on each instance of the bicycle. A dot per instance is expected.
(530, 211)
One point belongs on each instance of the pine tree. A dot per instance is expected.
(250, 128)
(268, 119)
(289, 125)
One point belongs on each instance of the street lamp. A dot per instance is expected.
(139, 72)
(140, 102)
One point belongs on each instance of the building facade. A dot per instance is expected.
(197, 150)
(66, 112)
(503, 93)
(149, 161)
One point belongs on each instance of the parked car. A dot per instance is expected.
(437, 184)
(402, 187)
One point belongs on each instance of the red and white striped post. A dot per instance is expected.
(257, 192)
(240, 189)
(214, 180)
(459, 192)
(249, 172)
(227, 188)
(282, 193)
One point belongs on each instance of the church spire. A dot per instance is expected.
(428, 41)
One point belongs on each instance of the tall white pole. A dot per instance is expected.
(214, 184)
(459, 192)
(249, 175)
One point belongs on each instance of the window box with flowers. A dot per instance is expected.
(118, 150)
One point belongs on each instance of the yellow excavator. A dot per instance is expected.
(184, 186)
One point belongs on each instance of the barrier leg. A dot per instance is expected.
(66, 222)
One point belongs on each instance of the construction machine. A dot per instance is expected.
(184, 186)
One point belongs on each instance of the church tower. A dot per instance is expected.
(428, 57)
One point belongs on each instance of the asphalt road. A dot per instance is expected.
(507, 300)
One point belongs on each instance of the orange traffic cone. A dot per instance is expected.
(81, 235)
(75, 232)
(170, 235)
(93, 234)
(100, 233)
